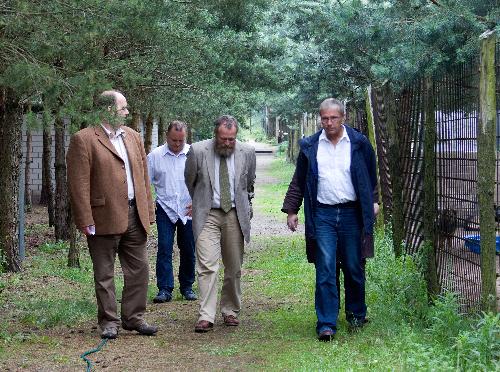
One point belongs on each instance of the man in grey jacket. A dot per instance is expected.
(220, 176)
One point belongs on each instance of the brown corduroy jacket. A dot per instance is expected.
(97, 181)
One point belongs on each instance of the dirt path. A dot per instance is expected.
(176, 347)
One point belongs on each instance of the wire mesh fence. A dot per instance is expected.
(456, 99)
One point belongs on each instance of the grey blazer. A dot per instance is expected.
(199, 176)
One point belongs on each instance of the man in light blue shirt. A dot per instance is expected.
(173, 212)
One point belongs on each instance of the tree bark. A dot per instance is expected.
(394, 170)
(430, 192)
(61, 210)
(136, 119)
(372, 137)
(74, 252)
(47, 194)
(486, 164)
(148, 133)
(161, 130)
(27, 171)
(10, 164)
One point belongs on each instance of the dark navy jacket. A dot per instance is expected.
(304, 186)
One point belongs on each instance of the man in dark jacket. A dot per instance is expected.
(336, 178)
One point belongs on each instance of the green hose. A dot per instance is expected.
(85, 354)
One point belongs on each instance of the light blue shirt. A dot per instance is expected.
(166, 172)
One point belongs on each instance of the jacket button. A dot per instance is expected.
(123, 167)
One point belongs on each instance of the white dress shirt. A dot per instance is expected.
(334, 174)
(230, 170)
(117, 141)
(166, 172)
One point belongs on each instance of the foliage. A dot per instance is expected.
(337, 48)
(478, 348)
(405, 332)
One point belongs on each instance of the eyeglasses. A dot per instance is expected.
(326, 119)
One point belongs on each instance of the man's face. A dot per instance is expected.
(119, 111)
(331, 121)
(176, 140)
(225, 139)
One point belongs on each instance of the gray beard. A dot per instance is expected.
(224, 151)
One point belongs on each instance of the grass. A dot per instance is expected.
(405, 333)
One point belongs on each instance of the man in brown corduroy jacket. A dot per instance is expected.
(112, 205)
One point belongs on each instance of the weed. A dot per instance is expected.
(479, 347)
(53, 248)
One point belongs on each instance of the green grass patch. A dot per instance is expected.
(405, 332)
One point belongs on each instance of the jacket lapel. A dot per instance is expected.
(210, 159)
(103, 138)
(238, 163)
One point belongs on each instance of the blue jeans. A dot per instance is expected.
(338, 233)
(185, 242)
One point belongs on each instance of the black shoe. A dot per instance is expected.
(110, 333)
(162, 296)
(143, 329)
(189, 295)
(326, 335)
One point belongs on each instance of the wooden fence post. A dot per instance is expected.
(371, 136)
(429, 188)
(394, 170)
(486, 164)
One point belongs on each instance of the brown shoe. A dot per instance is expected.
(231, 320)
(203, 326)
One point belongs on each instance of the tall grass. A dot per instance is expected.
(405, 332)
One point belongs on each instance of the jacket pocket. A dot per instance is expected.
(97, 202)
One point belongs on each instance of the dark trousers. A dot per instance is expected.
(131, 249)
(185, 242)
(338, 236)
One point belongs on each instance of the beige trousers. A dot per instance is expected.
(131, 250)
(221, 237)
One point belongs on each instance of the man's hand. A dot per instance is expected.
(376, 209)
(292, 221)
(189, 210)
(87, 230)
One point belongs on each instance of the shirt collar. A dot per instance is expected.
(110, 134)
(166, 150)
(323, 137)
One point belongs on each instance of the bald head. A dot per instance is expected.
(114, 104)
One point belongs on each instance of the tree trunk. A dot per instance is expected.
(148, 133)
(161, 130)
(27, 171)
(430, 192)
(47, 194)
(10, 159)
(136, 119)
(395, 170)
(486, 164)
(61, 212)
(372, 137)
(73, 253)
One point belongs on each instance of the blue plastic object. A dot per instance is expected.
(472, 242)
